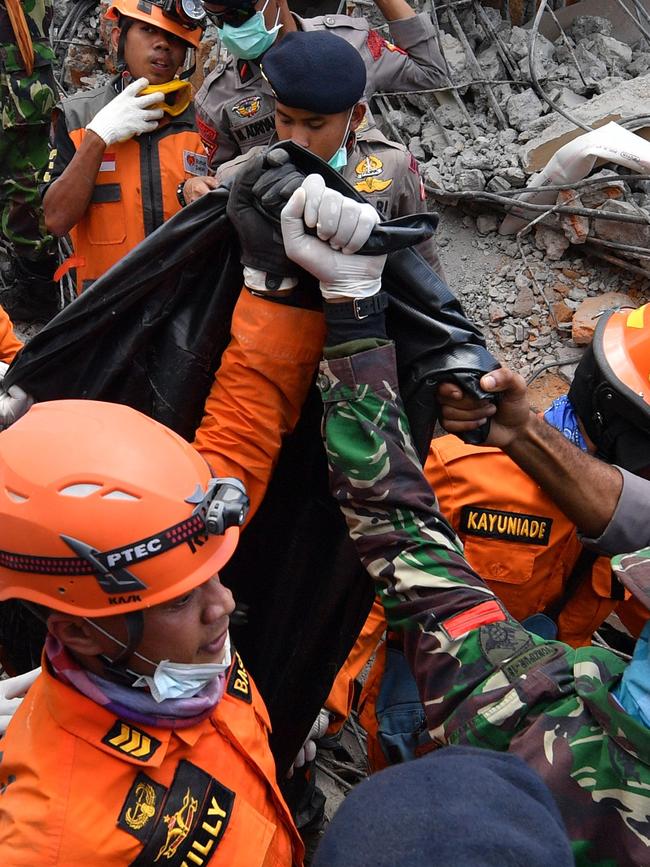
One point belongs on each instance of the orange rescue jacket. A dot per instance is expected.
(259, 389)
(80, 786)
(9, 343)
(520, 543)
(135, 191)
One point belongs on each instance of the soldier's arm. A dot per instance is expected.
(259, 389)
(586, 489)
(72, 178)
(458, 638)
(412, 60)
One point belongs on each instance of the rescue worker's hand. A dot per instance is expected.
(266, 267)
(508, 417)
(128, 114)
(278, 183)
(307, 752)
(13, 404)
(194, 188)
(12, 692)
(341, 225)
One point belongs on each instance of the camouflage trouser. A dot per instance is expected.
(26, 103)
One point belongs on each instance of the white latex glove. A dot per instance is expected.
(341, 225)
(128, 114)
(13, 403)
(12, 692)
(307, 751)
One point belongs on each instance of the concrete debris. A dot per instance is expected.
(586, 316)
(553, 243)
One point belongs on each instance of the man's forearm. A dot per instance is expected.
(68, 198)
(395, 10)
(586, 489)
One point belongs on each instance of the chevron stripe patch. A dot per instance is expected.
(131, 741)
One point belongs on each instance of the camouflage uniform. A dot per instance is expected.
(235, 106)
(483, 679)
(26, 103)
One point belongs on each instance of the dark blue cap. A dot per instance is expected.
(457, 806)
(316, 71)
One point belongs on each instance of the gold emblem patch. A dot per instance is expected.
(367, 171)
(247, 107)
(138, 815)
(141, 809)
(179, 825)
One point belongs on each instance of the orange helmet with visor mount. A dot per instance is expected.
(105, 511)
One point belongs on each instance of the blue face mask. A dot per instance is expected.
(251, 39)
(340, 159)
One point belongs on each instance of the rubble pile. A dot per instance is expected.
(537, 299)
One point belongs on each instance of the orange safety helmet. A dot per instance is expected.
(184, 18)
(611, 388)
(105, 511)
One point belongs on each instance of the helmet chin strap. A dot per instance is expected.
(117, 667)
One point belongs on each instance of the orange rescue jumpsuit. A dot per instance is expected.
(77, 785)
(80, 786)
(517, 539)
(9, 343)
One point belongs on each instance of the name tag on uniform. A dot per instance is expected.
(510, 526)
(195, 164)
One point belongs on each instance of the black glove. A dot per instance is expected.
(260, 240)
(276, 186)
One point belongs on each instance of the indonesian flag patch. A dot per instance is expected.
(107, 163)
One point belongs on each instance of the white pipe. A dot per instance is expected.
(573, 162)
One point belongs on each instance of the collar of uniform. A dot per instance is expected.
(86, 719)
(247, 72)
(597, 673)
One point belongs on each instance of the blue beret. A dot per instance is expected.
(316, 71)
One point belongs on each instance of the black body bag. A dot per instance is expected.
(150, 333)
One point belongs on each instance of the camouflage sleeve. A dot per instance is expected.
(465, 650)
(412, 61)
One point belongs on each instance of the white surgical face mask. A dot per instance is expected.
(174, 679)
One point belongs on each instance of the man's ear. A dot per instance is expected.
(115, 37)
(74, 633)
(358, 114)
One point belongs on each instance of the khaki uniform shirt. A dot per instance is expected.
(235, 106)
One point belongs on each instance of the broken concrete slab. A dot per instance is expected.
(630, 98)
(619, 25)
(635, 234)
(586, 316)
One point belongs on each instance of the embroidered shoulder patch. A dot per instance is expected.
(510, 526)
(192, 822)
(500, 642)
(239, 684)
(518, 665)
(376, 43)
(141, 809)
(481, 614)
(131, 741)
